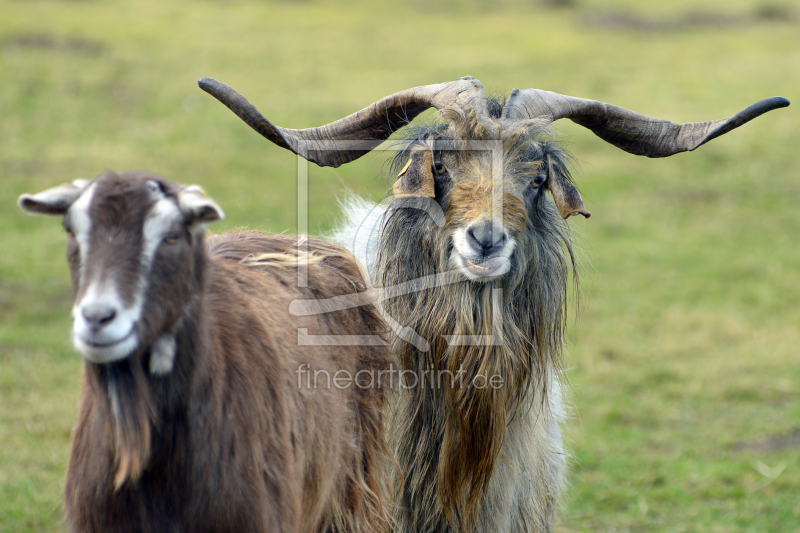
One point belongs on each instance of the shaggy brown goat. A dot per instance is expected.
(473, 263)
(194, 415)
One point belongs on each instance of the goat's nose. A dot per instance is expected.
(98, 315)
(485, 237)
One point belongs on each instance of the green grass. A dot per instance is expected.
(684, 358)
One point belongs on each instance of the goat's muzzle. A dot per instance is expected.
(103, 329)
(482, 250)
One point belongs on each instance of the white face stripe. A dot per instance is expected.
(81, 226)
(159, 222)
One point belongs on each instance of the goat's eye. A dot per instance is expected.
(439, 167)
(69, 231)
(171, 238)
(538, 180)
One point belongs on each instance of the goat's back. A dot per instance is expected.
(332, 394)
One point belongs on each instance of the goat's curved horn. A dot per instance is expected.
(634, 133)
(369, 127)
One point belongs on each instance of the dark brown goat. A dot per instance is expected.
(195, 416)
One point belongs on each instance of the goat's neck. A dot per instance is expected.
(134, 402)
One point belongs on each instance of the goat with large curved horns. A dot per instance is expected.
(472, 258)
(633, 132)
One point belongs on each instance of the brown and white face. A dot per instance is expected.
(486, 209)
(132, 250)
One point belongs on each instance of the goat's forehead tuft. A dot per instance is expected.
(126, 200)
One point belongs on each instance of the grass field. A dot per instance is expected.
(683, 361)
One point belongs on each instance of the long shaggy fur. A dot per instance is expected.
(477, 458)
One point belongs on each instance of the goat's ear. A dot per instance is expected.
(197, 206)
(566, 197)
(416, 178)
(53, 201)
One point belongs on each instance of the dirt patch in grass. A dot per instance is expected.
(49, 42)
(767, 13)
(788, 441)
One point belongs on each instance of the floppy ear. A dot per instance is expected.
(416, 178)
(54, 201)
(197, 207)
(565, 195)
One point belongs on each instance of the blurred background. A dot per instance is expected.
(683, 359)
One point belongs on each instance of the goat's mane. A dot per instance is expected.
(451, 423)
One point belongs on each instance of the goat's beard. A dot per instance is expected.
(453, 420)
(130, 413)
